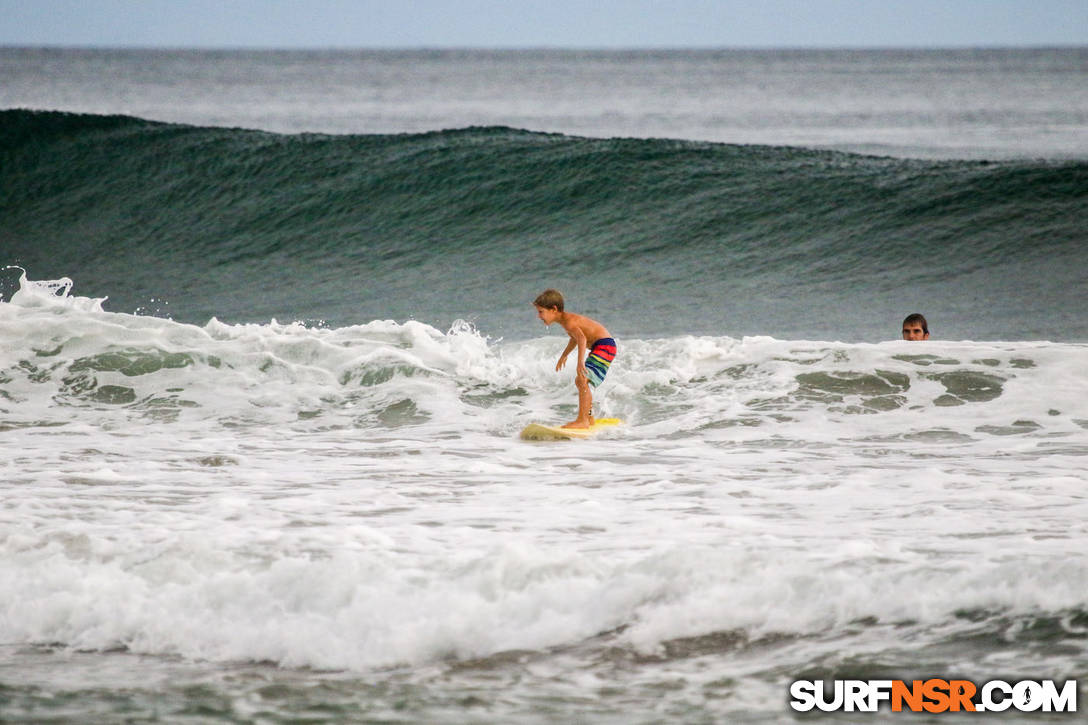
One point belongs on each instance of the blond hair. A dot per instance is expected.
(549, 298)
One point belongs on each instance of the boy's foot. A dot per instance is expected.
(578, 424)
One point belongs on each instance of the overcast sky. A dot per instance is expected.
(543, 23)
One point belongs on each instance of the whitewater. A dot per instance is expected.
(266, 346)
(261, 501)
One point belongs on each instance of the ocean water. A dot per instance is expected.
(972, 103)
(266, 346)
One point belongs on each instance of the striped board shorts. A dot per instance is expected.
(600, 359)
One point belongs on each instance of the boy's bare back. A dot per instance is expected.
(591, 329)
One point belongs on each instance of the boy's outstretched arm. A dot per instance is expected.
(577, 338)
(563, 358)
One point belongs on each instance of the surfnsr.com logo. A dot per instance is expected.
(933, 696)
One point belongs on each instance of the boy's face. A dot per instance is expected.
(547, 315)
(913, 331)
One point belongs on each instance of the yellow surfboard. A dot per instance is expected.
(541, 432)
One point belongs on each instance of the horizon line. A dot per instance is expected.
(534, 48)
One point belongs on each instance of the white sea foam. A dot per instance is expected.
(52, 293)
(357, 497)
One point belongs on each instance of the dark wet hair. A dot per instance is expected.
(915, 317)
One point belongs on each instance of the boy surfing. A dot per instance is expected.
(594, 358)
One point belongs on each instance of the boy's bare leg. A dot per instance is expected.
(585, 406)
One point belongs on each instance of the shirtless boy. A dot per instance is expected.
(596, 350)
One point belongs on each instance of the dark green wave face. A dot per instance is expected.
(654, 237)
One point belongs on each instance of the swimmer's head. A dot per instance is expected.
(915, 328)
